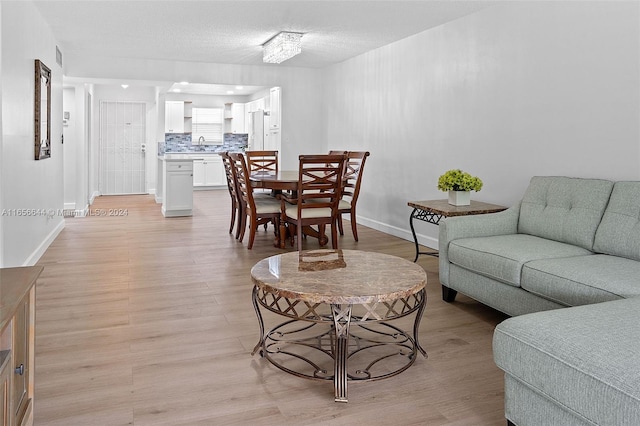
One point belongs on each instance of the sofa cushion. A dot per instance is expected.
(619, 231)
(582, 280)
(501, 256)
(564, 209)
(585, 358)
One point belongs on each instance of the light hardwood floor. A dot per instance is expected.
(148, 321)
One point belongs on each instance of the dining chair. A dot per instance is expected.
(316, 201)
(236, 205)
(352, 178)
(260, 211)
(262, 161)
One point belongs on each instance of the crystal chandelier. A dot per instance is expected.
(281, 47)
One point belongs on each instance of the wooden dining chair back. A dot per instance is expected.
(262, 161)
(316, 201)
(353, 168)
(236, 205)
(259, 211)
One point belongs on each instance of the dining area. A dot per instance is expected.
(300, 205)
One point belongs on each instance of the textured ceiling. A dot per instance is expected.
(232, 32)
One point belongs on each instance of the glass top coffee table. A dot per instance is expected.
(339, 304)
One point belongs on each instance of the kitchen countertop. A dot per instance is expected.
(192, 155)
(185, 156)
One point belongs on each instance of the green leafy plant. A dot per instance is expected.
(457, 180)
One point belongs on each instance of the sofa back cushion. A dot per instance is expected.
(619, 231)
(564, 209)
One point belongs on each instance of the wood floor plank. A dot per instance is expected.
(146, 320)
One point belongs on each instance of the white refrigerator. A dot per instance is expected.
(257, 130)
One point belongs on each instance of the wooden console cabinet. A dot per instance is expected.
(17, 341)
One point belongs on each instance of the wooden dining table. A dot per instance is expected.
(284, 180)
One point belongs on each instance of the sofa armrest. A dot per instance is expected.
(453, 228)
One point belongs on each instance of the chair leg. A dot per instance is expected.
(252, 232)
(293, 229)
(243, 226)
(299, 232)
(340, 224)
(354, 225)
(241, 218)
(233, 215)
(334, 236)
(321, 231)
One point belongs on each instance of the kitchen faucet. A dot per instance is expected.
(200, 140)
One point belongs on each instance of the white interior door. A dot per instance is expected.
(122, 139)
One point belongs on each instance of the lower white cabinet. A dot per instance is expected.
(177, 199)
(209, 172)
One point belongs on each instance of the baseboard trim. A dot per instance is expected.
(37, 254)
(405, 234)
(93, 196)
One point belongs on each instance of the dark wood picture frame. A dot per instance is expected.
(42, 111)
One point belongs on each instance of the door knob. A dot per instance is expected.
(20, 369)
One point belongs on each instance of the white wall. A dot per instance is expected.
(75, 146)
(69, 147)
(513, 91)
(26, 183)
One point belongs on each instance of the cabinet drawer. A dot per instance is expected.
(179, 166)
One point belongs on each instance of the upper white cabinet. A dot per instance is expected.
(255, 105)
(237, 118)
(174, 117)
(188, 115)
(274, 100)
(234, 118)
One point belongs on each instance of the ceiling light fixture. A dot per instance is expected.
(281, 47)
(124, 86)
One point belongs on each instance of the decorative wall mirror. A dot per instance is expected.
(42, 113)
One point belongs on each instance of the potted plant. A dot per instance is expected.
(459, 184)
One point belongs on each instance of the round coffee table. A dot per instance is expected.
(339, 303)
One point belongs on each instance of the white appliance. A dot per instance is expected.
(257, 130)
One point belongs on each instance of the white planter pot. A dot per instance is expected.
(460, 198)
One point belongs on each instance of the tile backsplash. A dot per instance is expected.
(181, 142)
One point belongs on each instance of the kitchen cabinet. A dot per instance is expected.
(274, 100)
(209, 172)
(237, 118)
(174, 117)
(234, 118)
(188, 116)
(17, 341)
(177, 198)
(198, 172)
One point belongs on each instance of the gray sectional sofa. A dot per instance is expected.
(569, 243)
